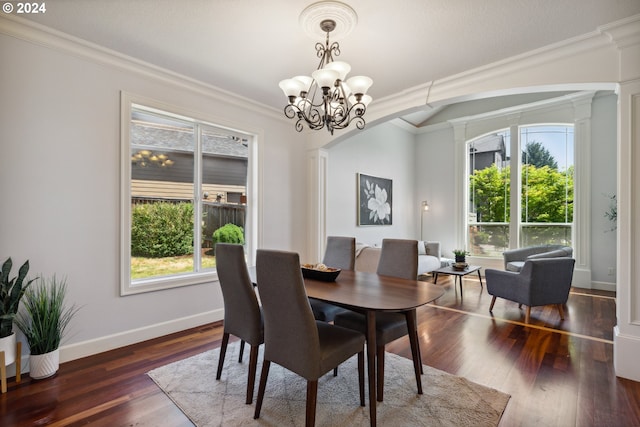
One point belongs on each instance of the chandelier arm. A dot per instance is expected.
(290, 111)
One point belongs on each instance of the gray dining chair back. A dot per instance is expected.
(399, 258)
(340, 253)
(242, 313)
(293, 338)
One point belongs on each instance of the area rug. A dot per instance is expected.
(448, 400)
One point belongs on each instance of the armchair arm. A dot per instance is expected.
(509, 285)
(565, 252)
(521, 254)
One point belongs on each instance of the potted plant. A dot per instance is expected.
(460, 255)
(11, 292)
(43, 321)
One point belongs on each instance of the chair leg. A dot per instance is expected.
(223, 352)
(380, 375)
(253, 363)
(361, 376)
(493, 301)
(528, 315)
(241, 351)
(561, 311)
(261, 388)
(420, 357)
(312, 397)
(335, 371)
(415, 346)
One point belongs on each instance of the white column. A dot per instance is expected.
(582, 192)
(318, 162)
(627, 332)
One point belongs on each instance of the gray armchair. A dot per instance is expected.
(540, 282)
(514, 258)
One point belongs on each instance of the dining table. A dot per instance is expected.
(371, 293)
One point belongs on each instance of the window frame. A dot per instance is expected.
(515, 163)
(130, 287)
(575, 109)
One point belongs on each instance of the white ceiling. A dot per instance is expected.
(248, 46)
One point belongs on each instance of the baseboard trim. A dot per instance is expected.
(625, 355)
(110, 342)
(604, 286)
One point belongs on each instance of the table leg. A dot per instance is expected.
(435, 278)
(412, 328)
(480, 277)
(371, 364)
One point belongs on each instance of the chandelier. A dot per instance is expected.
(326, 98)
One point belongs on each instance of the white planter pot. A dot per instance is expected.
(44, 365)
(8, 345)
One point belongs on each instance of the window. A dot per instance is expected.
(542, 169)
(547, 185)
(183, 179)
(489, 194)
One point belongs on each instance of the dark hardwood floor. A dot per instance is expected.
(559, 373)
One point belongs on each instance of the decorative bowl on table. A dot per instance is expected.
(460, 266)
(319, 272)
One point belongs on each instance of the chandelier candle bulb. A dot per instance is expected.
(325, 78)
(291, 88)
(341, 67)
(359, 85)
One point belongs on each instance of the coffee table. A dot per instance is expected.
(459, 274)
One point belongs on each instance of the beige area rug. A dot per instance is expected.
(448, 400)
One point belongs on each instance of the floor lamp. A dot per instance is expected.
(425, 207)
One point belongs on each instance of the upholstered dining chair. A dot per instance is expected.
(540, 282)
(242, 313)
(398, 258)
(340, 253)
(293, 338)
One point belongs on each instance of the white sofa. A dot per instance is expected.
(429, 258)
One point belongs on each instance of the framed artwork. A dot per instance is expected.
(375, 196)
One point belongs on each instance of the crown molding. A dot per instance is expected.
(41, 35)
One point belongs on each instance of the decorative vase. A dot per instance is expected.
(8, 345)
(461, 259)
(44, 365)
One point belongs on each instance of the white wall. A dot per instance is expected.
(604, 171)
(60, 171)
(385, 151)
(435, 182)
